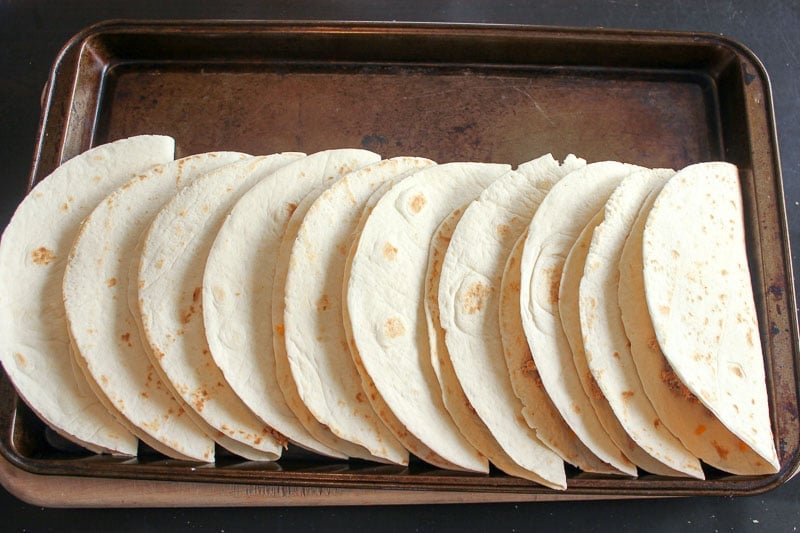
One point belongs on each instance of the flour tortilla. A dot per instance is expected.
(170, 275)
(237, 288)
(110, 349)
(385, 303)
(468, 301)
(35, 345)
(699, 294)
(568, 304)
(679, 410)
(321, 366)
(555, 226)
(605, 344)
(538, 411)
(456, 402)
(411, 443)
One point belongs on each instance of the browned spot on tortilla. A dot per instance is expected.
(20, 359)
(616, 355)
(323, 303)
(675, 254)
(656, 423)
(342, 248)
(749, 337)
(736, 370)
(742, 446)
(360, 397)
(652, 343)
(675, 385)
(554, 281)
(198, 292)
(144, 394)
(111, 282)
(290, 208)
(42, 256)
(199, 398)
(721, 450)
(597, 393)
(159, 263)
(126, 338)
(472, 300)
(187, 314)
(394, 328)
(65, 207)
(280, 329)
(663, 309)
(417, 203)
(389, 252)
(158, 353)
(503, 230)
(182, 213)
(700, 429)
(627, 394)
(104, 379)
(576, 408)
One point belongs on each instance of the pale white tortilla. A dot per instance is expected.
(35, 345)
(538, 411)
(238, 283)
(110, 348)
(386, 309)
(570, 319)
(174, 253)
(317, 351)
(456, 402)
(700, 297)
(679, 410)
(605, 345)
(468, 301)
(555, 226)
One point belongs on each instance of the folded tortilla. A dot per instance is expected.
(556, 225)
(605, 345)
(110, 348)
(385, 305)
(173, 256)
(238, 289)
(317, 351)
(700, 298)
(35, 345)
(468, 302)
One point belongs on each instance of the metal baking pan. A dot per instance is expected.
(447, 92)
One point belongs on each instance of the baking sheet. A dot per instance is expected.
(447, 92)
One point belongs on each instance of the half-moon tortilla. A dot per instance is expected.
(317, 351)
(385, 306)
(238, 289)
(35, 345)
(174, 252)
(556, 225)
(700, 297)
(110, 349)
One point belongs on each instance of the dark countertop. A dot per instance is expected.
(33, 31)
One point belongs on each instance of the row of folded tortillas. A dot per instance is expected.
(466, 313)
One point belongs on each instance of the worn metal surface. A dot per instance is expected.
(483, 93)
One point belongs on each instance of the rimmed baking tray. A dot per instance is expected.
(447, 92)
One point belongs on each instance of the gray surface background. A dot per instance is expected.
(32, 32)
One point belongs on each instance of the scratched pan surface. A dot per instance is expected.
(481, 93)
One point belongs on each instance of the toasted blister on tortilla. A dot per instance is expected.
(700, 299)
(317, 350)
(554, 228)
(238, 288)
(385, 307)
(538, 411)
(109, 347)
(35, 345)
(468, 307)
(173, 257)
(605, 345)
